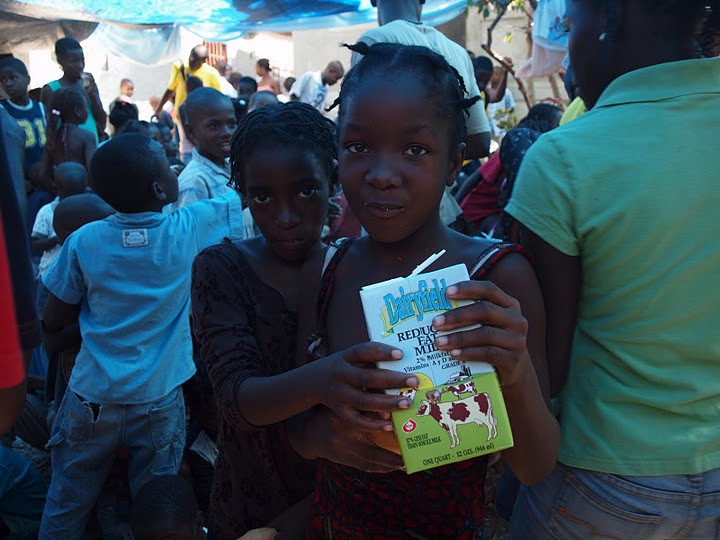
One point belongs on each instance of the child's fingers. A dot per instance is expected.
(371, 353)
(480, 312)
(477, 291)
(364, 455)
(353, 418)
(372, 402)
(485, 336)
(379, 379)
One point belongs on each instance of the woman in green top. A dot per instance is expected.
(621, 209)
(70, 56)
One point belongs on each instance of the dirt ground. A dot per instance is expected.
(114, 505)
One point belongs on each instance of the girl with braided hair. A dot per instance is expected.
(245, 303)
(402, 126)
(620, 209)
(67, 141)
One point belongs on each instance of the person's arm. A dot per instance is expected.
(477, 145)
(163, 100)
(62, 340)
(96, 105)
(45, 98)
(496, 94)
(221, 323)
(512, 339)
(59, 315)
(560, 278)
(89, 149)
(473, 180)
(42, 243)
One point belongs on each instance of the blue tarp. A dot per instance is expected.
(223, 20)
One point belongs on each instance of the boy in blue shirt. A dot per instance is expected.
(126, 280)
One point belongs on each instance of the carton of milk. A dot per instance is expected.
(457, 410)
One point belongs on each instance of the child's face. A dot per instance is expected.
(287, 193)
(15, 84)
(168, 143)
(72, 63)
(212, 129)
(396, 158)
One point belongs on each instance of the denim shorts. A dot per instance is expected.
(577, 504)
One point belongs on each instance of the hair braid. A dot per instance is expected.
(292, 124)
(445, 83)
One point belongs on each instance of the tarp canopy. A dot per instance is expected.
(221, 20)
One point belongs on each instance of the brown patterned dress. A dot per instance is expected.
(245, 330)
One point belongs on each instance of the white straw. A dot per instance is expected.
(422, 266)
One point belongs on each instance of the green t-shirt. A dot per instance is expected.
(89, 124)
(631, 188)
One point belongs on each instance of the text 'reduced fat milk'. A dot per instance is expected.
(457, 410)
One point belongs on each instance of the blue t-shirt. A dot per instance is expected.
(130, 273)
(31, 119)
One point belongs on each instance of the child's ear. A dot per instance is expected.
(190, 133)
(457, 157)
(334, 178)
(158, 191)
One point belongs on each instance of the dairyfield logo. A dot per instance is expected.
(429, 298)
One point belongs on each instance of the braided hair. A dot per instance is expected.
(292, 124)
(443, 82)
(63, 106)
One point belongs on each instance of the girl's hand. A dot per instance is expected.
(349, 374)
(323, 434)
(501, 340)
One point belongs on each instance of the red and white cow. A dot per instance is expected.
(408, 393)
(471, 410)
(463, 388)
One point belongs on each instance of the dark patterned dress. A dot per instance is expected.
(443, 503)
(244, 330)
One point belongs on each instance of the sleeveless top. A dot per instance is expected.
(444, 502)
(89, 124)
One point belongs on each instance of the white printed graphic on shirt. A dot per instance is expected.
(135, 238)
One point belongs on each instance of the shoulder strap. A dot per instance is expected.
(492, 255)
(332, 258)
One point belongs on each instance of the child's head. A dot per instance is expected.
(246, 87)
(333, 73)
(542, 117)
(70, 179)
(15, 79)
(211, 123)
(284, 164)
(131, 173)
(192, 83)
(127, 88)
(168, 141)
(402, 126)
(287, 85)
(69, 105)
(122, 113)
(262, 67)
(262, 99)
(70, 56)
(74, 211)
(143, 127)
(483, 68)
(166, 508)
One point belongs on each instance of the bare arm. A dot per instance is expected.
(163, 100)
(97, 107)
(560, 278)
(42, 243)
(477, 145)
(222, 322)
(59, 315)
(12, 402)
(88, 151)
(512, 339)
(496, 94)
(45, 97)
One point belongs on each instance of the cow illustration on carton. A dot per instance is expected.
(476, 409)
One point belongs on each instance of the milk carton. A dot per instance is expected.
(457, 410)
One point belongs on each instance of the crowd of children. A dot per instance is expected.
(199, 329)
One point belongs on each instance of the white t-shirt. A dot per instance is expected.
(43, 228)
(507, 102)
(310, 89)
(407, 33)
